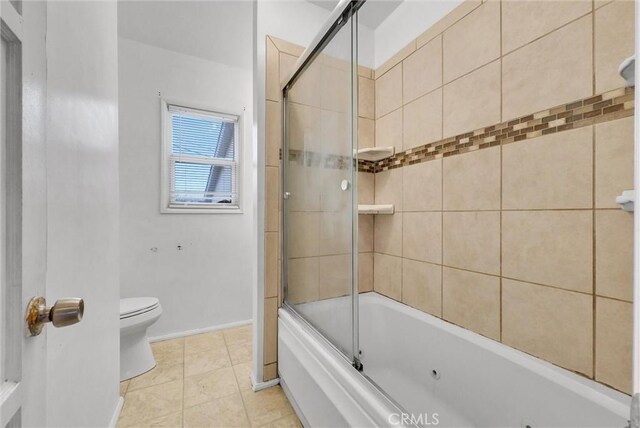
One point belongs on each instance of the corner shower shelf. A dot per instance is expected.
(375, 154)
(628, 70)
(375, 209)
(626, 200)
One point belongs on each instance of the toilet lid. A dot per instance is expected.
(137, 305)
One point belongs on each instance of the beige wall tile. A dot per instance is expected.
(366, 98)
(550, 172)
(422, 236)
(422, 70)
(614, 254)
(304, 127)
(422, 286)
(303, 234)
(471, 240)
(272, 199)
(552, 324)
(307, 89)
(388, 187)
(335, 275)
(272, 84)
(272, 248)
(365, 272)
(335, 133)
(614, 340)
(365, 233)
(389, 130)
(303, 280)
(422, 186)
(335, 92)
(387, 235)
(472, 300)
(395, 59)
(388, 90)
(335, 233)
(448, 20)
(614, 28)
(270, 330)
(305, 188)
(549, 247)
(553, 70)
(614, 160)
(422, 120)
(270, 371)
(472, 42)
(473, 101)
(273, 122)
(471, 181)
(388, 275)
(518, 27)
(366, 188)
(286, 64)
(287, 47)
(366, 133)
(331, 197)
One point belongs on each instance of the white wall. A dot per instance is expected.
(208, 282)
(82, 212)
(407, 22)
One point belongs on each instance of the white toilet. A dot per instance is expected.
(136, 316)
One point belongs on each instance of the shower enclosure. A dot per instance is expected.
(320, 190)
(351, 359)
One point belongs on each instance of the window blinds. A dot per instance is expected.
(203, 159)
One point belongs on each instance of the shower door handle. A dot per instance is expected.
(344, 185)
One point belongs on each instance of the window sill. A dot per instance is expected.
(180, 210)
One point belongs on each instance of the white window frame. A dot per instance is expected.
(166, 147)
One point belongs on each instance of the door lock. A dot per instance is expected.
(63, 313)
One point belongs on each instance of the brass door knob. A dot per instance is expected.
(63, 313)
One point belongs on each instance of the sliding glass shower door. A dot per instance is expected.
(320, 205)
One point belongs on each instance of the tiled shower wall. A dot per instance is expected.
(520, 242)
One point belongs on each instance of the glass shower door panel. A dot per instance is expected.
(319, 177)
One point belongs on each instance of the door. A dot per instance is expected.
(320, 205)
(22, 210)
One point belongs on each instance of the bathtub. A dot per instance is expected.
(430, 373)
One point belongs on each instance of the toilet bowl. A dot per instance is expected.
(136, 315)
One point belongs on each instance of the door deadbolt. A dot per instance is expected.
(63, 313)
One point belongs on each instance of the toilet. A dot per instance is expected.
(137, 314)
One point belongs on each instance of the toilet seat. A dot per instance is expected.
(135, 306)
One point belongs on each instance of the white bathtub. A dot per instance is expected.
(437, 373)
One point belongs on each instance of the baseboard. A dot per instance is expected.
(116, 413)
(258, 386)
(199, 331)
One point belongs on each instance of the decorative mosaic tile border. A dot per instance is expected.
(318, 160)
(605, 107)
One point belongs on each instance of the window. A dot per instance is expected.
(200, 161)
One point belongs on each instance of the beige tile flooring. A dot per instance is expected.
(203, 381)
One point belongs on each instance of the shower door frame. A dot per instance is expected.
(345, 13)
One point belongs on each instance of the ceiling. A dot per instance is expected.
(372, 14)
(219, 31)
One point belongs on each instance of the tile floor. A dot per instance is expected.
(203, 381)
